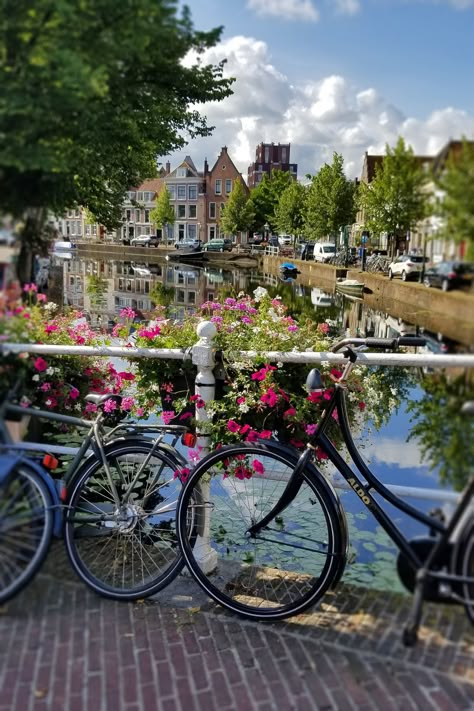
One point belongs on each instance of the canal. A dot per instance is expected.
(423, 441)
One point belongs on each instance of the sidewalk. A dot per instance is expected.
(62, 647)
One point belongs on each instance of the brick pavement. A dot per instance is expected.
(62, 647)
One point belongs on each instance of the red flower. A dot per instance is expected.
(40, 365)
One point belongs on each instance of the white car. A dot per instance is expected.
(285, 240)
(406, 266)
(323, 251)
(145, 241)
(189, 244)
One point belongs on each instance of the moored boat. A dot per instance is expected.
(350, 286)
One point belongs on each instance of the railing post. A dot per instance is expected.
(205, 385)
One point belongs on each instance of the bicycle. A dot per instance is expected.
(114, 507)
(278, 529)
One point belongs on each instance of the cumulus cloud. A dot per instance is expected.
(296, 10)
(347, 7)
(317, 117)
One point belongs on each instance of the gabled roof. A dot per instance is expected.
(191, 170)
(451, 149)
(228, 159)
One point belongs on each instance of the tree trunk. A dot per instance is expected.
(32, 242)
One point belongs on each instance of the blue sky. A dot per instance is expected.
(339, 75)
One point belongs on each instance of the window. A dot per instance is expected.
(147, 215)
(181, 231)
(180, 296)
(128, 215)
(228, 186)
(191, 297)
(192, 230)
(137, 215)
(212, 232)
(172, 191)
(180, 279)
(131, 195)
(147, 197)
(181, 192)
(192, 192)
(181, 172)
(140, 197)
(212, 210)
(192, 210)
(218, 188)
(181, 211)
(94, 230)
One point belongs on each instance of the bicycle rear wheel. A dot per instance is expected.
(125, 550)
(26, 527)
(465, 567)
(288, 565)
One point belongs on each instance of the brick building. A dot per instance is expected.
(268, 157)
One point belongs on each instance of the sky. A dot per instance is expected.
(337, 75)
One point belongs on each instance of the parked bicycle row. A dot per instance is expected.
(257, 523)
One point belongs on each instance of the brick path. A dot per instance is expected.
(62, 647)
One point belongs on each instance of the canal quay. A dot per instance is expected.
(64, 648)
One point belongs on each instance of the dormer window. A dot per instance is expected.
(181, 172)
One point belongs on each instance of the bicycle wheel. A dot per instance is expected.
(465, 566)
(128, 549)
(26, 527)
(288, 565)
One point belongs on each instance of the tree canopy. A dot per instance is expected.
(265, 196)
(92, 93)
(163, 213)
(330, 201)
(238, 213)
(290, 210)
(395, 201)
(457, 206)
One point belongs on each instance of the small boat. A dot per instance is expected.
(63, 246)
(289, 269)
(352, 287)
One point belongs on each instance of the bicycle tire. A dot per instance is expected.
(464, 565)
(131, 552)
(26, 528)
(269, 576)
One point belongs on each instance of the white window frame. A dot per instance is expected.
(228, 186)
(212, 210)
(192, 192)
(181, 192)
(218, 186)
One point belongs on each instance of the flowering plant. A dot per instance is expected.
(52, 382)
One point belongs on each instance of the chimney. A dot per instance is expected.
(168, 168)
(224, 149)
(206, 167)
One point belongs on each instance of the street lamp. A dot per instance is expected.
(266, 230)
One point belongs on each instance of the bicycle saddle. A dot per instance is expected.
(468, 408)
(98, 399)
(313, 381)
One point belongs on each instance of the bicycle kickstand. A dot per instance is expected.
(410, 631)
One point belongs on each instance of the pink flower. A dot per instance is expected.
(252, 436)
(244, 429)
(290, 412)
(292, 328)
(51, 402)
(90, 407)
(185, 415)
(140, 411)
(125, 375)
(128, 313)
(182, 474)
(110, 405)
(361, 405)
(311, 429)
(45, 387)
(74, 393)
(240, 400)
(30, 288)
(321, 454)
(127, 403)
(40, 365)
(323, 328)
(241, 472)
(167, 416)
(51, 327)
(258, 466)
(315, 397)
(264, 434)
(232, 426)
(40, 298)
(269, 398)
(260, 374)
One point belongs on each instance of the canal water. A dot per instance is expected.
(424, 442)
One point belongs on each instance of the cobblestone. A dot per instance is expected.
(62, 647)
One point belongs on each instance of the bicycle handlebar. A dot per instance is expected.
(385, 343)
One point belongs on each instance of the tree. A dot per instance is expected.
(163, 213)
(92, 93)
(395, 201)
(238, 213)
(458, 205)
(330, 201)
(265, 196)
(290, 210)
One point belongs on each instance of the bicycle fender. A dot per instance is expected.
(8, 462)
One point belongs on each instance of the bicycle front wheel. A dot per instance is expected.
(124, 545)
(285, 567)
(26, 527)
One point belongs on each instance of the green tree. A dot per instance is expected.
(395, 200)
(265, 196)
(163, 213)
(92, 93)
(290, 210)
(238, 213)
(458, 205)
(444, 433)
(330, 201)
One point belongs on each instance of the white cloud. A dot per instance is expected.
(347, 7)
(297, 10)
(317, 117)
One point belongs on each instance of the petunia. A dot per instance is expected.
(40, 364)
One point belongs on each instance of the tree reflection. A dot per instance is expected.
(445, 435)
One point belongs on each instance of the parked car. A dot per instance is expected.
(193, 245)
(285, 240)
(145, 241)
(323, 251)
(406, 266)
(218, 245)
(305, 251)
(449, 275)
(273, 241)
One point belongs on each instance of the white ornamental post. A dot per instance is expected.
(205, 385)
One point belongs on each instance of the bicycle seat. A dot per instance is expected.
(98, 399)
(313, 381)
(468, 408)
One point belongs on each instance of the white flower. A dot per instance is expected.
(260, 293)
(243, 407)
(36, 377)
(50, 306)
(279, 364)
(50, 371)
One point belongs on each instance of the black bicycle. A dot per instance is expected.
(278, 532)
(115, 505)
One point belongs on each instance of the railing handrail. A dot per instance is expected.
(417, 360)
